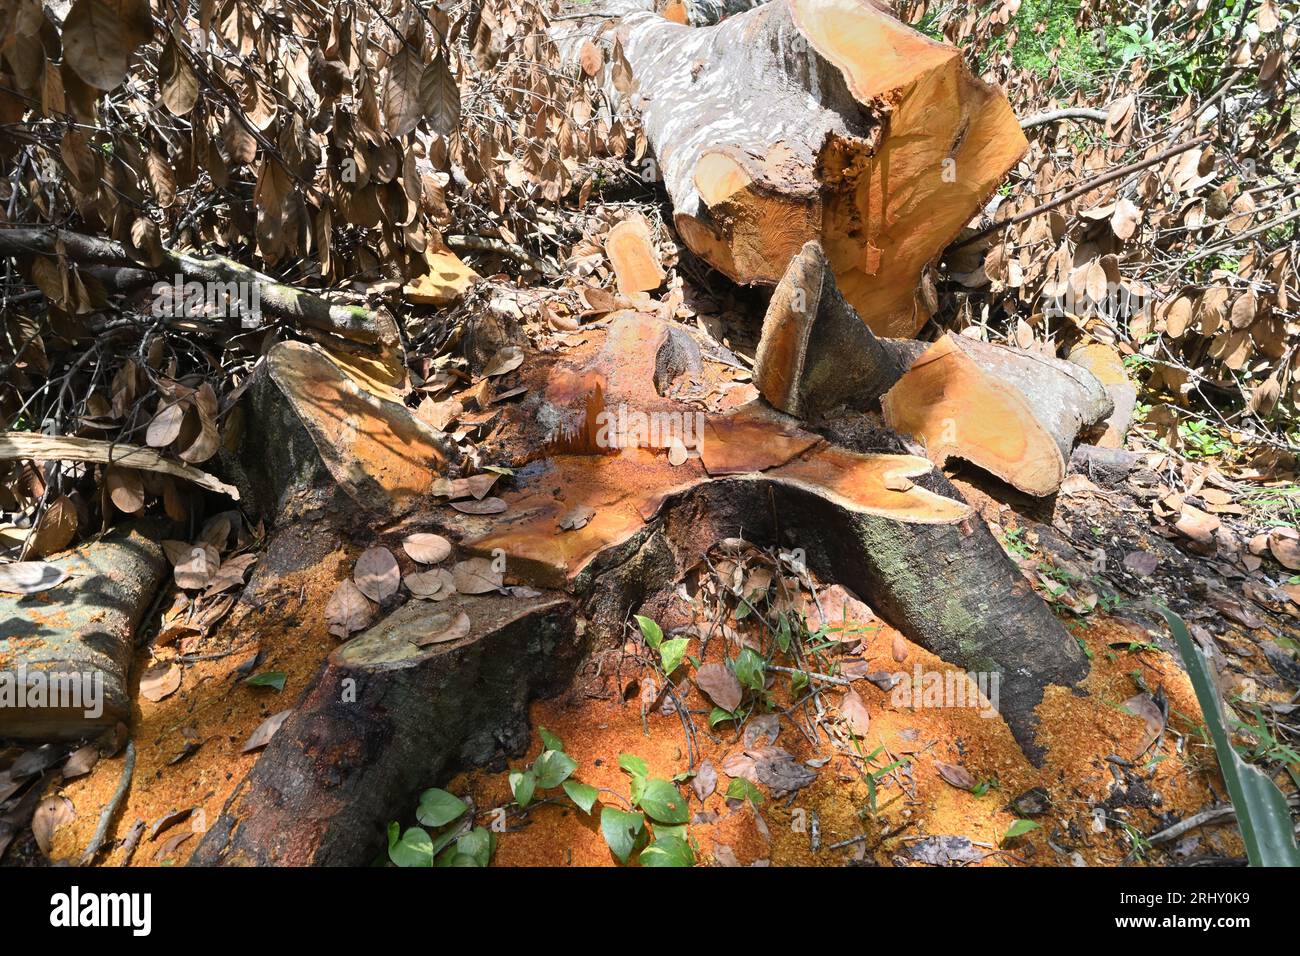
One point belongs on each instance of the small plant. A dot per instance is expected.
(654, 826)
(459, 845)
(1262, 813)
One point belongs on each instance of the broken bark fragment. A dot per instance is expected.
(1015, 414)
(815, 352)
(384, 720)
(76, 640)
(814, 119)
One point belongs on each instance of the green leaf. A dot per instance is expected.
(549, 740)
(523, 786)
(1262, 813)
(750, 668)
(553, 767)
(668, 851)
(479, 844)
(274, 679)
(633, 765)
(718, 715)
(742, 789)
(415, 848)
(438, 808)
(1019, 828)
(663, 802)
(783, 634)
(651, 631)
(637, 768)
(621, 830)
(672, 652)
(583, 794)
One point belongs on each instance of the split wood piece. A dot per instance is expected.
(1107, 367)
(311, 424)
(632, 254)
(696, 13)
(815, 352)
(446, 281)
(372, 330)
(18, 445)
(387, 719)
(872, 522)
(78, 638)
(814, 119)
(1013, 413)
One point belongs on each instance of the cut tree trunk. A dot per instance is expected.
(1013, 413)
(630, 252)
(384, 720)
(812, 119)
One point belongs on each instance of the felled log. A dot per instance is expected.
(1014, 413)
(814, 119)
(1106, 366)
(636, 266)
(384, 720)
(70, 647)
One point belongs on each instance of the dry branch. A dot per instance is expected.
(19, 445)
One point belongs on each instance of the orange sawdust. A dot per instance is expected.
(213, 707)
(913, 801)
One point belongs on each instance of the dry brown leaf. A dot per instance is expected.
(955, 775)
(437, 584)
(476, 576)
(376, 574)
(30, 577)
(347, 610)
(50, 814)
(488, 506)
(444, 628)
(854, 711)
(577, 518)
(265, 731)
(126, 489)
(720, 684)
(161, 680)
(426, 548)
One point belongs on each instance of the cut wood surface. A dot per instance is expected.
(814, 119)
(28, 445)
(1015, 414)
(1105, 364)
(633, 256)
